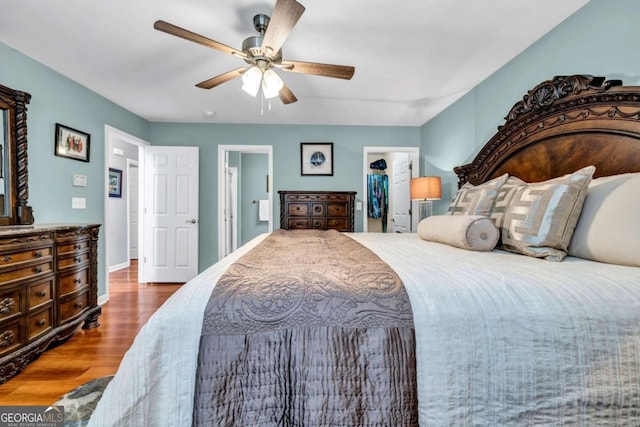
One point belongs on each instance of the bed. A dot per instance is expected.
(542, 330)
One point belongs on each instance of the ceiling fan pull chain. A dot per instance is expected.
(262, 105)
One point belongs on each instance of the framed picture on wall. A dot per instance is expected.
(72, 143)
(115, 182)
(316, 158)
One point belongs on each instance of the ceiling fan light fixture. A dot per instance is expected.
(251, 81)
(271, 84)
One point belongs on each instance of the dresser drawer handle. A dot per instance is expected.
(38, 269)
(42, 294)
(40, 323)
(317, 209)
(297, 208)
(38, 254)
(77, 246)
(77, 281)
(7, 258)
(78, 259)
(77, 305)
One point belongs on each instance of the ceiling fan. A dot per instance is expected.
(263, 53)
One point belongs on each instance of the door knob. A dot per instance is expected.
(192, 221)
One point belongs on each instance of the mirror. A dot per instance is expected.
(14, 173)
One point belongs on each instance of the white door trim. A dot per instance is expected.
(222, 155)
(111, 135)
(414, 158)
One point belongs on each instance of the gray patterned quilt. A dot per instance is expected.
(310, 328)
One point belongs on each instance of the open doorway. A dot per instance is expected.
(122, 152)
(401, 164)
(245, 194)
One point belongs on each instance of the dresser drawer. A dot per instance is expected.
(73, 247)
(339, 224)
(28, 272)
(28, 239)
(40, 293)
(39, 323)
(11, 259)
(319, 223)
(78, 259)
(298, 209)
(336, 209)
(11, 336)
(298, 223)
(74, 281)
(317, 209)
(11, 303)
(74, 307)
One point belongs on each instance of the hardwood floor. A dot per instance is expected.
(90, 353)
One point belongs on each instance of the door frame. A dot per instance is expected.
(414, 158)
(223, 150)
(111, 135)
(131, 164)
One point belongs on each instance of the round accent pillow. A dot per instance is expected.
(473, 232)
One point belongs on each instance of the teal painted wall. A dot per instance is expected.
(600, 39)
(57, 99)
(347, 150)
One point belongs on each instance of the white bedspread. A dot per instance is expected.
(502, 339)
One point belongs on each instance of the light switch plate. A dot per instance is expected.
(358, 206)
(78, 203)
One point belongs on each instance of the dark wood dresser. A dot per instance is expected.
(48, 287)
(317, 209)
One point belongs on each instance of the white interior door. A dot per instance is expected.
(401, 203)
(170, 214)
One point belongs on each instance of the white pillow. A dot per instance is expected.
(473, 232)
(609, 226)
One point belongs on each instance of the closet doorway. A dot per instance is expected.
(388, 205)
(241, 193)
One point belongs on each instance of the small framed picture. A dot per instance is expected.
(115, 182)
(72, 143)
(316, 158)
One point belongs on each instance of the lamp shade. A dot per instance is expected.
(251, 80)
(271, 84)
(426, 188)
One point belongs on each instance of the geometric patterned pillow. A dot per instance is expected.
(541, 217)
(505, 195)
(477, 199)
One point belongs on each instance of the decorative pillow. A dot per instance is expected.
(473, 232)
(541, 217)
(505, 195)
(477, 199)
(609, 227)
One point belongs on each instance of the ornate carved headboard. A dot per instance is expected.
(560, 126)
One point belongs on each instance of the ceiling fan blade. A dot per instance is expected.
(326, 70)
(284, 17)
(188, 35)
(222, 78)
(286, 96)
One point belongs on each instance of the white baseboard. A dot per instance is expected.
(119, 266)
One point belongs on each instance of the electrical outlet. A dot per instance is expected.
(358, 206)
(78, 203)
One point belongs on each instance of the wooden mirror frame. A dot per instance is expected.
(16, 198)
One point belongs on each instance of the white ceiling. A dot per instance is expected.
(413, 58)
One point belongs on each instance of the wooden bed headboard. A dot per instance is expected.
(560, 126)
